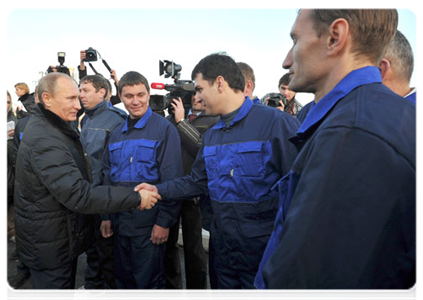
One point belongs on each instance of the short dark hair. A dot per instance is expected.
(248, 72)
(401, 56)
(98, 82)
(284, 80)
(220, 64)
(132, 78)
(372, 30)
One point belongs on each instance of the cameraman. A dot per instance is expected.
(191, 126)
(82, 71)
(292, 106)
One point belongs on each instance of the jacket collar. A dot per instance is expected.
(243, 112)
(98, 109)
(353, 80)
(56, 121)
(141, 122)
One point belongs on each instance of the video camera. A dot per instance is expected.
(274, 99)
(60, 68)
(181, 88)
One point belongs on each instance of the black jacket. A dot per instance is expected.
(52, 189)
(28, 100)
(191, 134)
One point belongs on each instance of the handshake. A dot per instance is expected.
(149, 195)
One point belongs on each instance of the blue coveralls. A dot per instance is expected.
(238, 165)
(346, 216)
(149, 152)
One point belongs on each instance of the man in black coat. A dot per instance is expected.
(53, 188)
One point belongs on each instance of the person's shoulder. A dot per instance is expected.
(117, 111)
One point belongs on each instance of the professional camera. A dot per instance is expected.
(91, 54)
(60, 68)
(184, 89)
(274, 99)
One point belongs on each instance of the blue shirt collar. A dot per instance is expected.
(353, 80)
(256, 100)
(141, 122)
(244, 110)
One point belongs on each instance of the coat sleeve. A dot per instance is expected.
(56, 168)
(187, 186)
(351, 222)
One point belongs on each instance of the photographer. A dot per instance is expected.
(291, 106)
(191, 126)
(82, 71)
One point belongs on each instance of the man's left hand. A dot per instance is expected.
(159, 235)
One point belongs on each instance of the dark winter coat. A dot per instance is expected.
(52, 189)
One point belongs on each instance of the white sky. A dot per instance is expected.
(136, 39)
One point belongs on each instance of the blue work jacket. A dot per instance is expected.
(96, 127)
(346, 216)
(412, 97)
(238, 165)
(149, 152)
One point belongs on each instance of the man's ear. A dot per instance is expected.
(220, 82)
(104, 92)
(248, 86)
(46, 99)
(384, 67)
(339, 32)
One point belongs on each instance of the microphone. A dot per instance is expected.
(158, 86)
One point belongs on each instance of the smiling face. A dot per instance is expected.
(208, 94)
(306, 60)
(136, 100)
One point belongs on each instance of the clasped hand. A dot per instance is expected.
(148, 198)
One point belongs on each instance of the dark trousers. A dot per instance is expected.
(194, 254)
(99, 273)
(138, 263)
(59, 278)
(212, 268)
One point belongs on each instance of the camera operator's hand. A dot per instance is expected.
(179, 110)
(282, 107)
(83, 56)
(114, 77)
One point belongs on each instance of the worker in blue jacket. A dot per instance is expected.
(241, 159)
(145, 148)
(347, 217)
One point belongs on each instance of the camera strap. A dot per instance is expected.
(92, 67)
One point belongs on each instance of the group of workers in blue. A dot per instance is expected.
(325, 203)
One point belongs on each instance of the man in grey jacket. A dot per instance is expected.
(99, 121)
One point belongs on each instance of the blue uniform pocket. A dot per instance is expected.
(250, 156)
(115, 151)
(210, 157)
(146, 168)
